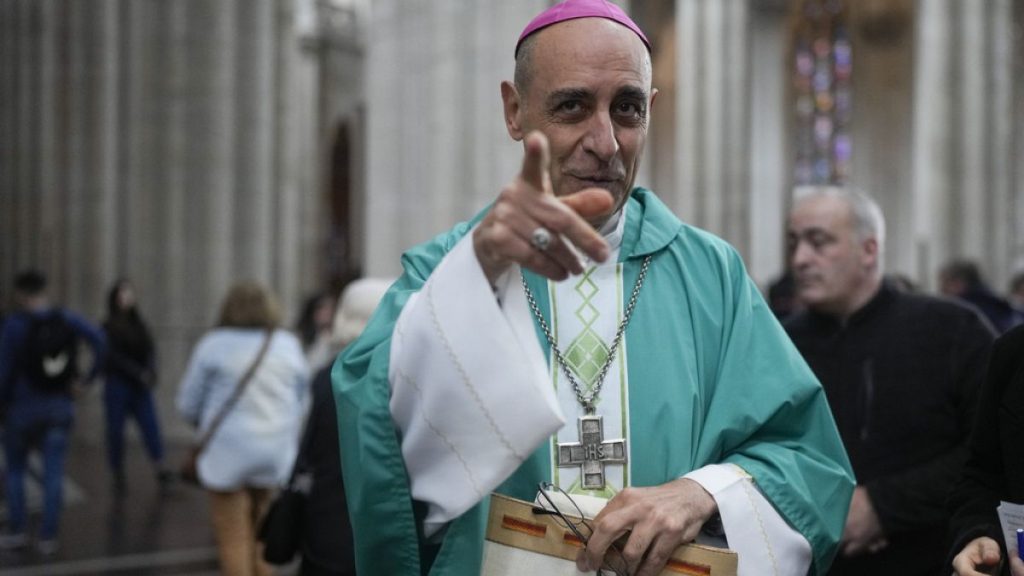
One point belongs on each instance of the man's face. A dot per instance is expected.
(590, 94)
(30, 301)
(950, 285)
(125, 298)
(831, 266)
(1017, 295)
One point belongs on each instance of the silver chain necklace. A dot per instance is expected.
(588, 402)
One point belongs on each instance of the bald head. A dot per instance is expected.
(864, 211)
(525, 54)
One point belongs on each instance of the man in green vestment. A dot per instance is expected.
(577, 294)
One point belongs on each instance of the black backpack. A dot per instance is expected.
(51, 352)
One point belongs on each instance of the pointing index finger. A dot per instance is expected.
(536, 161)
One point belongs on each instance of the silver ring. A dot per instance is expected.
(541, 238)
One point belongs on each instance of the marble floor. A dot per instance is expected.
(147, 530)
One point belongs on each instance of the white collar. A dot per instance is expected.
(612, 230)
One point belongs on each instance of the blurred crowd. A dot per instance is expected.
(258, 396)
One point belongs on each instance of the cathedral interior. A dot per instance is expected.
(187, 144)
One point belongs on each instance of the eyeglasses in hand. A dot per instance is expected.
(575, 522)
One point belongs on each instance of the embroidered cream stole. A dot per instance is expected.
(586, 311)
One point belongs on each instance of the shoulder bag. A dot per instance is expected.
(189, 470)
(281, 530)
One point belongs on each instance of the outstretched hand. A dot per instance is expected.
(660, 518)
(529, 203)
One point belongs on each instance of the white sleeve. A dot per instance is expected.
(753, 527)
(469, 387)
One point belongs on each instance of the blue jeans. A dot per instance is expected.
(18, 441)
(122, 399)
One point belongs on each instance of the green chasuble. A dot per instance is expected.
(713, 379)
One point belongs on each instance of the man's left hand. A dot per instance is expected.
(863, 531)
(660, 518)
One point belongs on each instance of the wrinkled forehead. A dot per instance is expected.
(822, 211)
(586, 46)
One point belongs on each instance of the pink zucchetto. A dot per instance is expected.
(572, 9)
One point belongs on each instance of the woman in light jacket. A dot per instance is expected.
(252, 450)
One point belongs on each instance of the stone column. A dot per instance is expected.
(442, 142)
(882, 36)
(712, 122)
(1016, 211)
(496, 158)
(205, 149)
(972, 128)
(437, 147)
(34, 234)
(384, 122)
(932, 137)
(153, 202)
(42, 98)
(965, 173)
(90, 255)
(254, 101)
(769, 164)
(297, 193)
(9, 195)
(1006, 152)
(32, 194)
(153, 205)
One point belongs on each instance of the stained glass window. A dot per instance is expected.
(822, 103)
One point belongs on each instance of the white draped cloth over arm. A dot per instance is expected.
(471, 397)
(469, 388)
(765, 543)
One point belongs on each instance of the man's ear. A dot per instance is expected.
(513, 108)
(871, 251)
(650, 105)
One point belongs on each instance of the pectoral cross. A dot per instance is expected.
(592, 452)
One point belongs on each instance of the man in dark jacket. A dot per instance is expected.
(901, 372)
(995, 468)
(38, 373)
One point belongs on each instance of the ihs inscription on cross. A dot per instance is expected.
(592, 452)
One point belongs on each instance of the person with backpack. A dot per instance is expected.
(39, 373)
